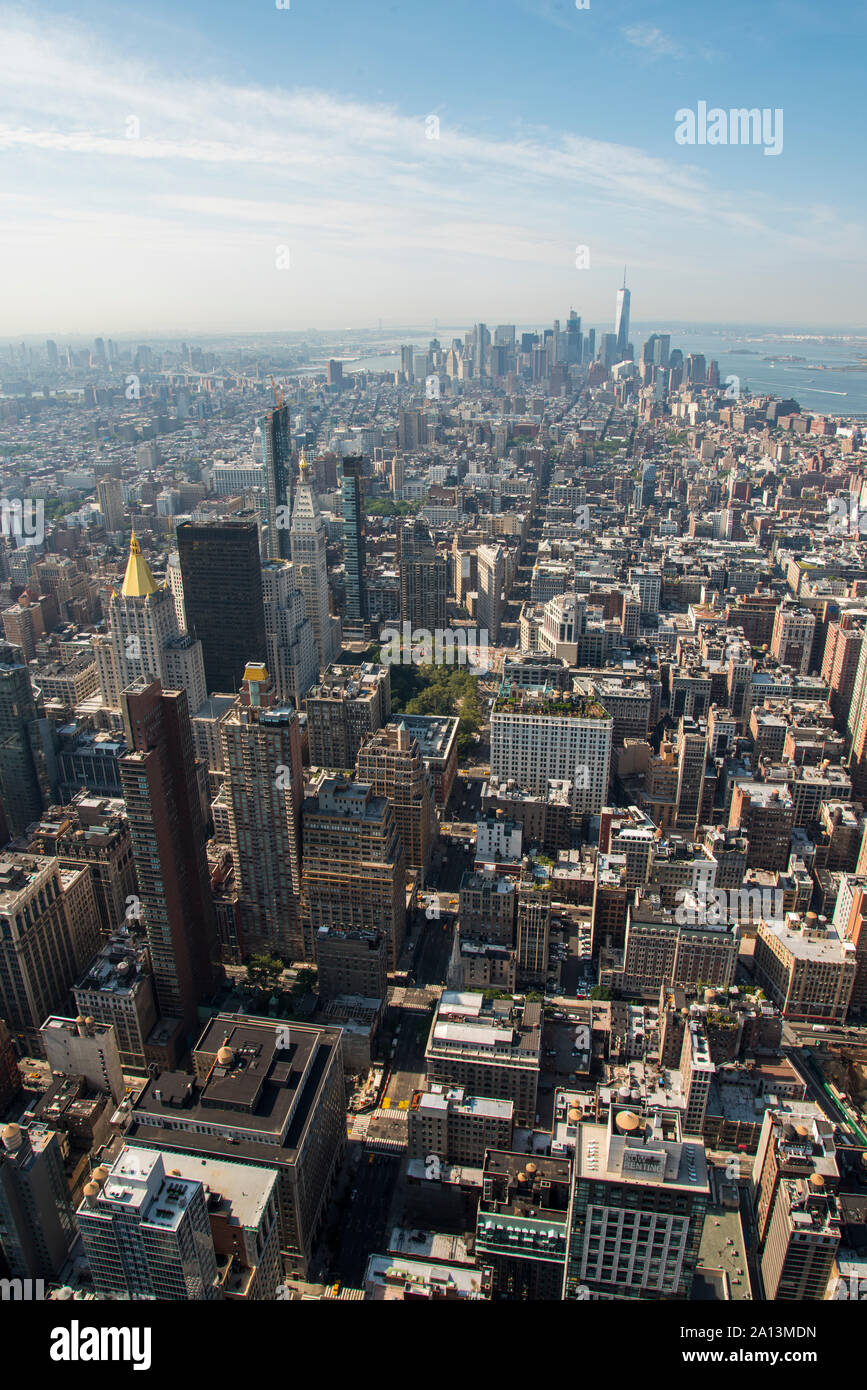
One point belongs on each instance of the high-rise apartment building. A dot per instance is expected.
(691, 760)
(802, 1241)
(92, 831)
(48, 932)
(765, 813)
(639, 1195)
(486, 907)
(116, 989)
(806, 968)
(275, 433)
(349, 704)
(37, 1226)
(492, 577)
(292, 657)
(659, 950)
(522, 1225)
(390, 761)
(308, 538)
(424, 579)
(82, 1047)
(23, 778)
(790, 1147)
(352, 507)
(696, 1074)
(146, 1231)
(354, 869)
(264, 790)
(792, 639)
(540, 735)
(351, 961)
(533, 925)
(840, 665)
(222, 581)
(161, 792)
(110, 497)
(457, 1127)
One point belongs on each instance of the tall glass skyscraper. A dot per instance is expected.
(222, 577)
(621, 320)
(276, 453)
(351, 486)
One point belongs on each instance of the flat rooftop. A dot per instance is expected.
(265, 1095)
(245, 1189)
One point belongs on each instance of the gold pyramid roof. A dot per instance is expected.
(138, 580)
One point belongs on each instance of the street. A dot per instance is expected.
(363, 1215)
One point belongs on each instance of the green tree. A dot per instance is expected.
(264, 971)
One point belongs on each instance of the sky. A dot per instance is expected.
(227, 166)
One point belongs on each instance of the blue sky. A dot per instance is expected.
(308, 129)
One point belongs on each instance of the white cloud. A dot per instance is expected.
(647, 36)
(221, 172)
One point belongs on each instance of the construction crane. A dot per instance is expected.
(278, 395)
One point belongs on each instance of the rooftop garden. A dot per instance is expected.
(555, 705)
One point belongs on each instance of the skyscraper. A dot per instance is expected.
(308, 538)
(47, 937)
(264, 790)
(621, 320)
(354, 864)
(390, 760)
(22, 772)
(533, 924)
(424, 578)
(146, 1232)
(351, 497)
(292, 657)
(492, 578)
(144, 639)
(161, 791)
(108, 491)
(222, 579)
(36, 1218)
(573, 337)
(276, 454)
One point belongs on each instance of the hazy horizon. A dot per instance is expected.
(202, 169)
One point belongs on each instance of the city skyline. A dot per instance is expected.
(203, 186)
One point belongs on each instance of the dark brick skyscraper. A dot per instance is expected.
(161, 792)
(222, 576)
